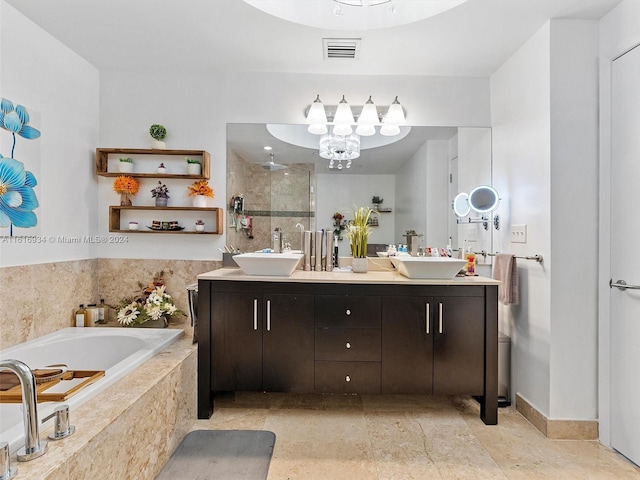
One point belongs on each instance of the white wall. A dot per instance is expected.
(195, 107)
(544, 109)
(474, 170)
(340, 193)
(619, 31)
(411, 196)
(574, 206)
(437, 190)
(520, 111)
(37, 71)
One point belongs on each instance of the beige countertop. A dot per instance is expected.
(371, 277)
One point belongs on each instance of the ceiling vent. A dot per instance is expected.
(341, 48)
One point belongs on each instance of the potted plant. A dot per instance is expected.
(193, 166)
(161, 194)
(199, 226)
(200, 190)
(125, 164)
(376, 200)
(158, 134)
(127, 187)
(161, 168)
(358, 234)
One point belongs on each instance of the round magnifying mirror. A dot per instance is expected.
(484, 199)
(461, 205)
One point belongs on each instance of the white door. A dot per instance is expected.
(625, 255)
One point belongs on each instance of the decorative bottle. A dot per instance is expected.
(81, 316)
(102, 312)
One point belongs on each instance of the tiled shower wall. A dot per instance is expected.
(39, 299)
(281, 198)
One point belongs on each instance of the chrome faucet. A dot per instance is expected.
(33, 446)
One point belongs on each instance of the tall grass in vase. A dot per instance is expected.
(358, 234)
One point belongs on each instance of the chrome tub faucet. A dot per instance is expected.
(33, 446)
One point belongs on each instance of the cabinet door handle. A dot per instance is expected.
(348, 312)
(268, 315)
(255, 314)
(440, 320)
(426, 319)
(347, 378)
(348, 345)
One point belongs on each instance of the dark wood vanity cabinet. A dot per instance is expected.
(262, 342)
(347, 344)
(431, 345)
(348, 338)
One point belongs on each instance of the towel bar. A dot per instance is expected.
(537, 258)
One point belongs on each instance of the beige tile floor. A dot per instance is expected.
(378, 437)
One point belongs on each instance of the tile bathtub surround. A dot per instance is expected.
(130, 430)
(39, 299)
(375, 437)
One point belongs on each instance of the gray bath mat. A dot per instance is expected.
(221, 455)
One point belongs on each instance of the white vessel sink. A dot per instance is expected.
(428, 267)
(276, 264)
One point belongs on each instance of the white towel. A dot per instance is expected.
(506, 270)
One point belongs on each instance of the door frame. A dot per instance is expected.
(604, 238)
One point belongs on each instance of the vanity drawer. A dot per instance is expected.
(345, 311)
(347, 377)
(348, 344)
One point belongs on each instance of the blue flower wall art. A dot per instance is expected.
(18, 198)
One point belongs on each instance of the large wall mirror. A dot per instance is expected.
(414, 175)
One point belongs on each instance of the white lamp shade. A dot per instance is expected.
(343, 114)
(366, 130)
(389, 130)
(318, 128)
(395, 115)
(316, 115)
(342, 129)
(369, 115)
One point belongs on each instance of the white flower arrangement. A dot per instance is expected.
(152, 306)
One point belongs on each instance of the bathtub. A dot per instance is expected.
(117, 351)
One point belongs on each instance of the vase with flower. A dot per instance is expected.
(127, 187)
(161, 194)
(200, 191)
(338, 225)
(150, 306)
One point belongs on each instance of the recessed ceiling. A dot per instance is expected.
(472, 39)
(247, 141)
(321, 13)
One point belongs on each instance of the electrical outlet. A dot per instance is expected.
(518, 234)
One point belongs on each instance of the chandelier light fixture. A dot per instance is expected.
(337, 8)
(339, 148)
(341, 145)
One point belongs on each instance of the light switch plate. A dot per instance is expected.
(518, 234)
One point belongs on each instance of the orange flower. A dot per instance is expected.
(125, 184)
(200, 188)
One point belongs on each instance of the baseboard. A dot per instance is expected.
(557, 429)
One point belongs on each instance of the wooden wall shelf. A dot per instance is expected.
(208, 212)
(102, 162)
